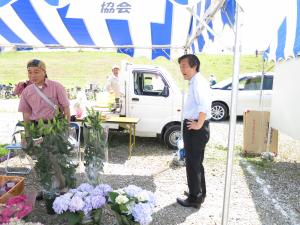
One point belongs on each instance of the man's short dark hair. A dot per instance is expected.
(192, 60)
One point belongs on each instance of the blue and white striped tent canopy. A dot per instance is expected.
(286, 43)
(200, 34)
(138, 28)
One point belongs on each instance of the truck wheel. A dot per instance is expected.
(171, 135)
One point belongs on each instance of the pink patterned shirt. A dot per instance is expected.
(31, 102)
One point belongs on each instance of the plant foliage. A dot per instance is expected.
(95, 137)
(54, 166)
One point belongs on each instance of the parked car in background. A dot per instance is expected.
(248, 96)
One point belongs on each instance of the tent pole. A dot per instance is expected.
(232, 124)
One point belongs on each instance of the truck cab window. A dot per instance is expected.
(150, 84)
(268, 82)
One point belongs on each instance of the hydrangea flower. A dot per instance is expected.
(132, 190)
(142, 213)
(142, 196)
(151, 199)
(98, 201)
(83, 199)
(81, 194)
(102, 189)
(17, 206)
(121, 199)
(85, 187)
(68, 195)
(88, 207)
(76, 204)
(61, 205)
(133, 204)
(72, 191)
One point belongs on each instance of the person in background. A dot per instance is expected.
(33, 105)
(113, 83)
(196, 113)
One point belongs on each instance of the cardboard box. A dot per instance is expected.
(256, 126)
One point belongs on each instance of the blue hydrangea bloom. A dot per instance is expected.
(76, 204)
(98, 201)
(132, 190)
(142, 213)
(152, 199)
(88, 204)
(85, 187)
(102, 189)
(60, 205)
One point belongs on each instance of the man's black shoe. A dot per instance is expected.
(40, 196)
(188, 203)
(187, 195)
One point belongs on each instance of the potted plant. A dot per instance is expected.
(49, 144)
(82, 205)
(95, 138)
(132, 205)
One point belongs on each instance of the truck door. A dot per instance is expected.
(150, 100)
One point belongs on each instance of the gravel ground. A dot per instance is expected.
(261, 192)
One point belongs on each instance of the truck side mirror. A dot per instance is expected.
(165, 91)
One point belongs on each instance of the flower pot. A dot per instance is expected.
(49, 198)
(123, 220)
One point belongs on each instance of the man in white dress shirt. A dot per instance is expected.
(196, 113)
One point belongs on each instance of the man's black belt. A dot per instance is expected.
(186, 120)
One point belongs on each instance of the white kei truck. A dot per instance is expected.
(151, 94)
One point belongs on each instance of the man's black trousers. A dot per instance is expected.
(194, 144)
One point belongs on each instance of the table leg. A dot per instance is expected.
(130, 140)
(134, 135)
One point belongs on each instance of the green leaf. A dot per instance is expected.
(73, 218)
(113, 195)
(97, 215)
(123, 208)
